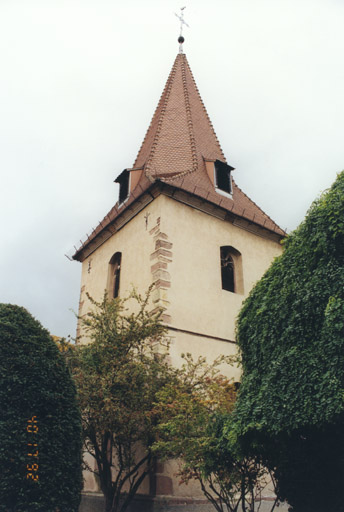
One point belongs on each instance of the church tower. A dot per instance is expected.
(182, 223)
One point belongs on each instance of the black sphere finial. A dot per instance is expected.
(182, 22)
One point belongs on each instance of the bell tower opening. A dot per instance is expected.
(231, 269)
(114, 275)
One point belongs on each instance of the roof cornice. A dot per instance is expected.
(178, 194)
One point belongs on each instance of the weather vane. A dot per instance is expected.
(182, 22)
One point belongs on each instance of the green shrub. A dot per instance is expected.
(40, 447)
(291, 337)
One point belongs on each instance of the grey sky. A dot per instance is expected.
(79, 82)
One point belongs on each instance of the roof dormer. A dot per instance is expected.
(124, 186)
(222, 178)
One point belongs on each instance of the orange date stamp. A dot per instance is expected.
(32, 450)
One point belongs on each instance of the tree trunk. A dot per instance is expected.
(109, 496)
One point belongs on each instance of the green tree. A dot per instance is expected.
(118, 375)
(194, 408)
(40, 426)
(291, 336)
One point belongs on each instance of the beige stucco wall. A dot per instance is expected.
(178, 247)
(136, 244)
(197, 301)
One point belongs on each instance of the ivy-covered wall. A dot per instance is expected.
(291, 337)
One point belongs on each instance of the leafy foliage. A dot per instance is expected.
(118, 375)
(195, 408)
(40, 430)
(291, 336)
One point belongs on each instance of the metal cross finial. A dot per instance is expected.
(146, 219)
(182, 22)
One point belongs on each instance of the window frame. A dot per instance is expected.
(236, 260)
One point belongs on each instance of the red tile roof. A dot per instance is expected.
(178, 141)
(180, 133)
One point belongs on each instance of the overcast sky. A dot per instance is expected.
(79, 82)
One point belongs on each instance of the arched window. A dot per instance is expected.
(231, 269)
(227, 270)
(114, 275)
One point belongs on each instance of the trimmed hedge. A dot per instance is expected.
(40, 428)
(291, 336)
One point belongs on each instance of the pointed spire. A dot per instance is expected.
(179, 147)
(180, 135)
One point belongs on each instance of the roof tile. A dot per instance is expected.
(179, 140)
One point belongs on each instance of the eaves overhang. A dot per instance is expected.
(108, 228)
(199, 203)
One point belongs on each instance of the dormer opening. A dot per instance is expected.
(124, 185)
(222, 175)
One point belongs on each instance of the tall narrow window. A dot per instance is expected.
(114, 275)
(227, 270)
